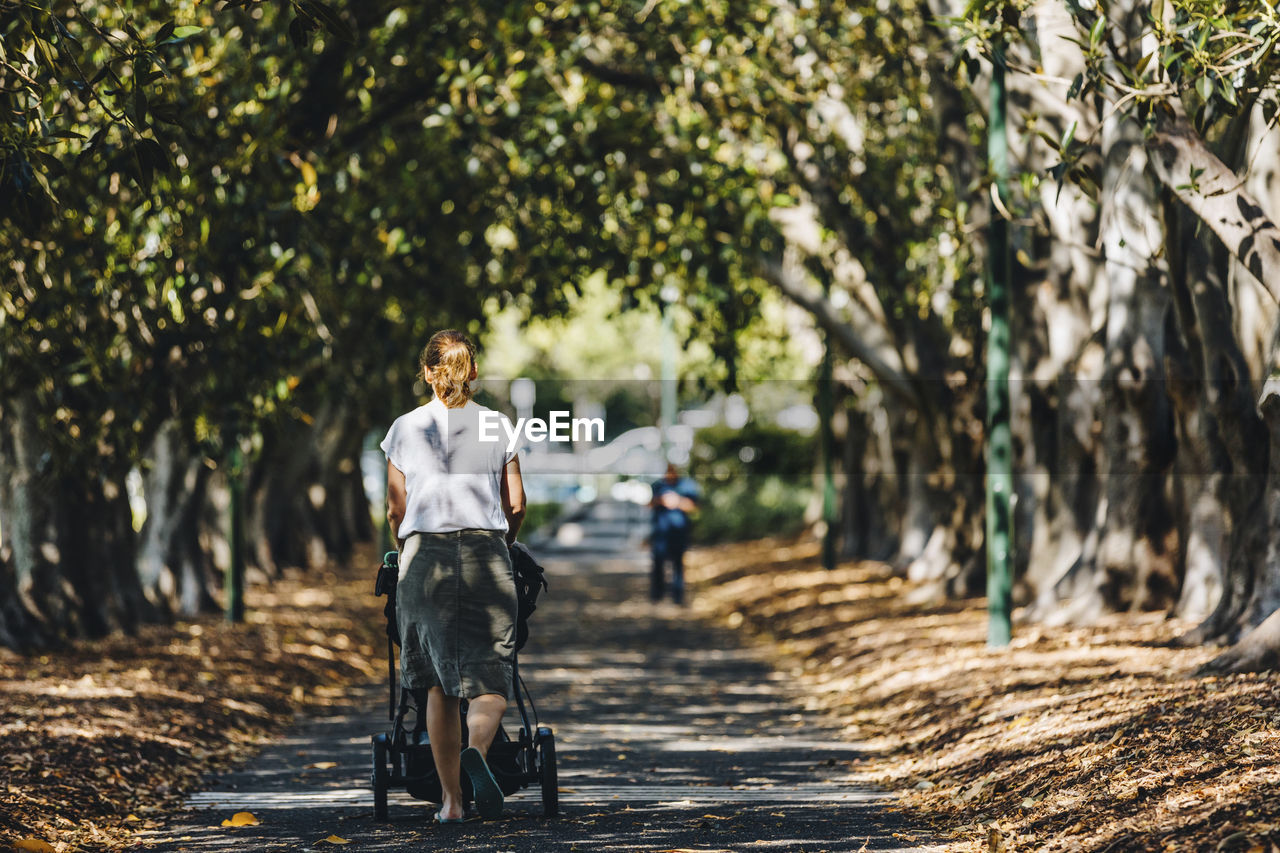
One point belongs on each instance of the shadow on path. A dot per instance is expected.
(671, 736)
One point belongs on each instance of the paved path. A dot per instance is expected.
(672, 736)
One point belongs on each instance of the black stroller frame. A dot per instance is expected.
(402, 756)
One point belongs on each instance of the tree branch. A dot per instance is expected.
(620, 77)
(1184, 163)
(849, 340)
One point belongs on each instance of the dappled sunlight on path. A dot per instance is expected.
(671, 734)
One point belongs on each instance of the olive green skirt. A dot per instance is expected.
(456, 610)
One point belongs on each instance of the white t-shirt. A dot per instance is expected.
(453, 480)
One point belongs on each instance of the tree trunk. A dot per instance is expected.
(1251, 600)
(195, 564)
(38, 610)
(941, 539)
(1057, 401)
(867, 526)
(280, 526)
(163, 486)
(307, 502)
(1065, 488)
(1223, 440)
(342, 510)
(173, 570)
(1135, 563)
(1250, 591)
(70, 547)
(1136, 549)
(100, 554)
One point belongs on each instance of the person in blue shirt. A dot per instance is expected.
(674, 498)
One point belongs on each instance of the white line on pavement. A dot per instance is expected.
(666, 795)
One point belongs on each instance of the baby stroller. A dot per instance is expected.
(402, 756)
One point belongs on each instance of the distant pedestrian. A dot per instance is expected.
(674, 498)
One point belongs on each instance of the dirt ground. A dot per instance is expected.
(1081, 739)
(1090, 739)
(97, 738)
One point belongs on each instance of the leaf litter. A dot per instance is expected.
(1075, 738)
(101, 737)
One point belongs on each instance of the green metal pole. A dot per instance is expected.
(668, 377)
(235, 536)
(826, 411)
(999, 435)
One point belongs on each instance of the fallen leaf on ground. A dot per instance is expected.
(242, 819)
(334, 839)
(161, 742)
(322, 765)
(33, 844)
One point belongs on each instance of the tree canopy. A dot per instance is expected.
(234, 224)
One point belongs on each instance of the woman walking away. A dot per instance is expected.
(454, 503)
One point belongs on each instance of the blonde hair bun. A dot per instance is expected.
(450, 356)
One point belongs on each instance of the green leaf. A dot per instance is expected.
(139, 104)
(1228, 92)
(65, 33)
(52, 165)
(1204, 87)
(166, 111)
(298, 29)
(145, 169)
(1069, 135)
(1095, 34)
(187, 32)
(95, 139)
(1077, 86)
(153, 152)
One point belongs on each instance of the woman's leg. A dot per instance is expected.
(484, 715)
(444, 727)
(677, 575)
(657, 571)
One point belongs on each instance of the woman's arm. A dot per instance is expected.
(395, 502)
(512, 497)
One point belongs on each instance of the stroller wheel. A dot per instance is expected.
(550, 783)
(380, 778)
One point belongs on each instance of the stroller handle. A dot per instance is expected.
(388, 574)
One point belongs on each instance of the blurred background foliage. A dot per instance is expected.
(757, 480)
(228, 228)
(232, 225)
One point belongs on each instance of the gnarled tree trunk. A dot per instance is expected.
(69, 542)
(172, 567)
